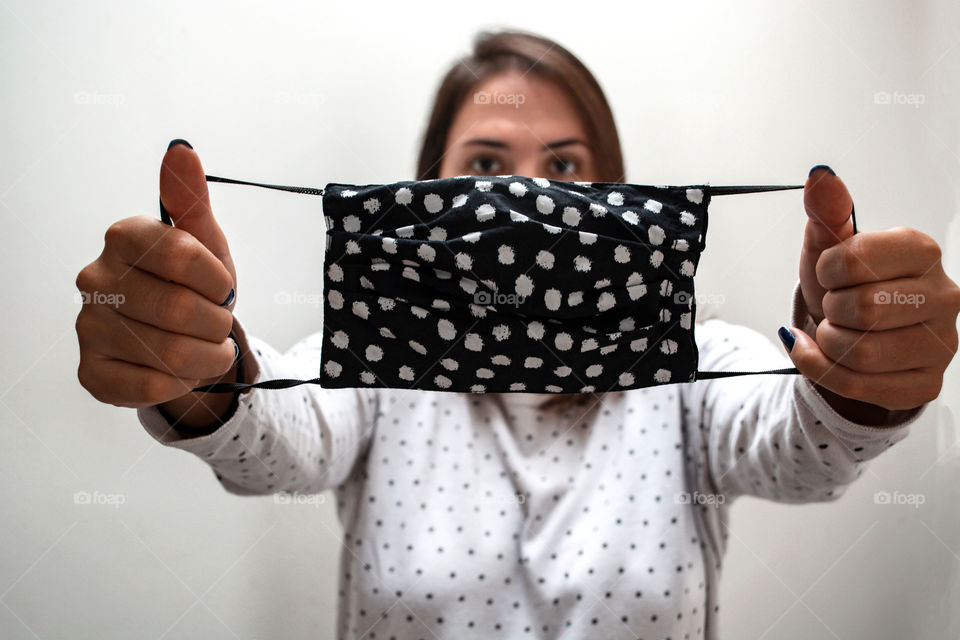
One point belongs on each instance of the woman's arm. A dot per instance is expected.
(773, 436)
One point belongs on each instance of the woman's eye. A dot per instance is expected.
(484, 165)
(560, 166)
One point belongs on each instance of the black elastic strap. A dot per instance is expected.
(309, 191)
(164, 214)
(286, 383)
(708, 375)
(723, 191)
(234, 387)
(730, 191)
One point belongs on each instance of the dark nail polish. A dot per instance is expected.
(821, 166)
(787, 338)
(177, 141)
(236, 351)
(230, 297)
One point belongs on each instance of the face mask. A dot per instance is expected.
(508, 283)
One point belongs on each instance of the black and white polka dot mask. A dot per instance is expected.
(508, 283)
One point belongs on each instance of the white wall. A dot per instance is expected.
(298, 93)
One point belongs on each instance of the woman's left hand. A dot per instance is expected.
(885, 308)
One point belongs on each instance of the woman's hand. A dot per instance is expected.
(885, 308)
(158, 302)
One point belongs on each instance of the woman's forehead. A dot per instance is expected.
(518, 108)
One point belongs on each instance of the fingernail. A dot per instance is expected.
(787, 338)
(821, 166)
(177, 141)
(236, 351)
(230, 297)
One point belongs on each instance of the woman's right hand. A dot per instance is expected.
(157, 312)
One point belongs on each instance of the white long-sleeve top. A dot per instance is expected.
(487, 515)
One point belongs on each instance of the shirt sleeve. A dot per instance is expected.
(773, 436)
(300, 440)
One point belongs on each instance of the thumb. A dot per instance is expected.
(184, 197)
(829, 222)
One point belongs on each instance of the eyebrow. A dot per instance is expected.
(499, 144)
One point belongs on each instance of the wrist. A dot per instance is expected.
(861, 412)
(196, 414)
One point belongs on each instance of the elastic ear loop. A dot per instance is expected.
(310, 191)
(286, 383)
(709, 375)
(234, 387)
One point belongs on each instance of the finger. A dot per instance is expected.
(172, 353)
(171, 307)
(184, 194)
(888, 351)
(130, 385)
(169, 254)
(880, 305)
(828, 205)
(878, 256)
(895, 391)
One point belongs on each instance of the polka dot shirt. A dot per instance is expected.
(505, 515)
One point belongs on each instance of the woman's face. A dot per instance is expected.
(525, 125)
(518, 124)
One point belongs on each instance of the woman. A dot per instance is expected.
(469, 515)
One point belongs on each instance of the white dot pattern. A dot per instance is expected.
(594, 282)
(489, 516)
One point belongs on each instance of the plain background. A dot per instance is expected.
(304, 93)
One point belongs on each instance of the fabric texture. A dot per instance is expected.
(481, 515)
(511, 284)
